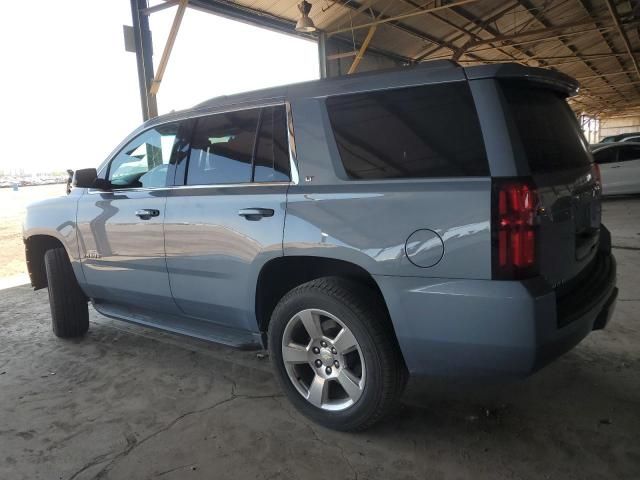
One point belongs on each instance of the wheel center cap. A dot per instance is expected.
(326, 357)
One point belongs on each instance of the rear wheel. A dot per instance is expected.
(335, 354)
(69, 309)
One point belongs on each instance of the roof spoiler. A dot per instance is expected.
(551, 78)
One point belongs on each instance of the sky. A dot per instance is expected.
(69, 91)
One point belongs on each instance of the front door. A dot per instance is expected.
(226, 220)
(121, 231)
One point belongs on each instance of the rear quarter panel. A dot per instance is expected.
(368, 222)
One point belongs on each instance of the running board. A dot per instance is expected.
(191, 327)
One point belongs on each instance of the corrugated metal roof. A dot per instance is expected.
(576, 37)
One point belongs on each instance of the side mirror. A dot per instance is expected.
(85, 178)
(88, 178)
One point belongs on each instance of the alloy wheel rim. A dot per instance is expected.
(323, 360)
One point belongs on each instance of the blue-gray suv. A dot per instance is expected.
(433, 220)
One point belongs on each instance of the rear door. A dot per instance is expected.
(549, 141)
(121, 231)
(607, 160)
(623, 176)
(225, 218)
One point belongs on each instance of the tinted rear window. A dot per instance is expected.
(548, 129)
(271, 162)
(222, 148)
(416, 132)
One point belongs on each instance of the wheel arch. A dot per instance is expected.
(35, 248)
(282, 274)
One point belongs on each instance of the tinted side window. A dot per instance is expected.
(629, 153)
(144, 161)
(222, 148)
(606, 155)
(272, 149)
(426, 131)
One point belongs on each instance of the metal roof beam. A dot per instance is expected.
(376, 50)
(590, 77)
(363, 49)
(463, 30)
(623, 34)
(159, 7)
(166, 53)
(257, 18)
(556, 36)
(588, 8)
(547, 30)
(403, 17)
(463, 13)
(545, 23)
(569, 58)
(624, 84)
(496, 15)
(354, 5)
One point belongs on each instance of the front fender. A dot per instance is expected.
(56, 218)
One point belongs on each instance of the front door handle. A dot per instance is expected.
(147, 213)
(255, 213)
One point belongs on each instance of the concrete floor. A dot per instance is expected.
(133, 403)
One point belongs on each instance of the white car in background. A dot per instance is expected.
(634, 139)
(621, 137)
(619, 167)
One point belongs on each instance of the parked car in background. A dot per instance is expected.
(618, 138)
(434, 220)
(619, 167)
(634, 138)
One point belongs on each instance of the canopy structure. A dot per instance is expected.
(594, 41)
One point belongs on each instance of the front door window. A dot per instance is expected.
(144, 162)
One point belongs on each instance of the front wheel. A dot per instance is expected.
(69, 309)
(335, 354)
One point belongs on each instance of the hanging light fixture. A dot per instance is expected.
(305, 24)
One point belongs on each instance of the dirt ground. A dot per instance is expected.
(12, 210)
(131, 403)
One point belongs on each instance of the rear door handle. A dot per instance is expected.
(616, 166)
(255, 213)
(147, 213)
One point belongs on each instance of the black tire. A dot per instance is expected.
(364, 313)
(69, 309)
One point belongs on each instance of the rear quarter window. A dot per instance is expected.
(415, 132)
(548, 129)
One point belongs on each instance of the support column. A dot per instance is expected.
(144, 58)
(322, 54)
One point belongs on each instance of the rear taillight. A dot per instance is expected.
(514, 231)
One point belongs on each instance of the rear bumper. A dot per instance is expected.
(486, 328)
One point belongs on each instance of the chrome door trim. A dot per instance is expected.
(93, 191)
